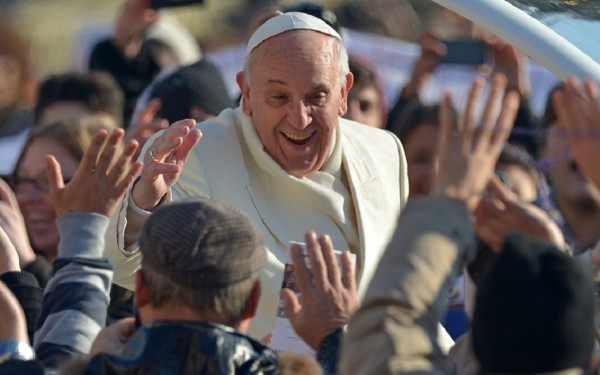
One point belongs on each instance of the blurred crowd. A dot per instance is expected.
(148, 211)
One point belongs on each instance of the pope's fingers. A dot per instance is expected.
(156, 169)
(178, 129)
(159, 152)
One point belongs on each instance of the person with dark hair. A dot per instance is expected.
(195, 91)
(366, 99)
(534, 312)
(518, 171)
(76, 94)
(507, 60)
(418, 129)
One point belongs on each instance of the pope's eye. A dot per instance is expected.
(319, 98)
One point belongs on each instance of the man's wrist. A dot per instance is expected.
(14, 349)
(327, 352)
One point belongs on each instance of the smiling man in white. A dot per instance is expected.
(285, 157)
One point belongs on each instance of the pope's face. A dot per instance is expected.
(294, 96)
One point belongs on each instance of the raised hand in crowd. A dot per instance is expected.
(112, 339)
(578, 111)
(468, 154)
(501, 212)
(163, 162)
(9, 258)
(100, 182)
(327, 303)
(514, 64)
(12, 223)
(135, 19)
(432, 54)
(145, 125)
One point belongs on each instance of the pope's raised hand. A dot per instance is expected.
(163, 161)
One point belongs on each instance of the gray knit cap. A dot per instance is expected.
(200, 242)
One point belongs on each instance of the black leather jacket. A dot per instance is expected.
(188, 348)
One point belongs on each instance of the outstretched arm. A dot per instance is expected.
(76, 298)
(394, 331)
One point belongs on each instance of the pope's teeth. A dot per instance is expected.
(295, 137)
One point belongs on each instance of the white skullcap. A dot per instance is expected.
(289, 21)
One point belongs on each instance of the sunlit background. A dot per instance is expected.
(58, 30)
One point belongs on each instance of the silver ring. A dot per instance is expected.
(151, 154)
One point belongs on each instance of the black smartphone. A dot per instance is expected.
(469, 52)
(157, 4)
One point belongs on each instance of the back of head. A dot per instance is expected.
(534, 311)
(97, 92)
(199, 84)
(202, 253)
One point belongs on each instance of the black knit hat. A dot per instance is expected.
(200, 84)
(534, 311)
(202, 243)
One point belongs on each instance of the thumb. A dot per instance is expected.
(55, 180)
(501, 191)
(125, 326)
(291, 305)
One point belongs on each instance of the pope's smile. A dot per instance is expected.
(298, 139)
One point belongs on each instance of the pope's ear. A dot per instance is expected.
(240, 78)
(344, 94)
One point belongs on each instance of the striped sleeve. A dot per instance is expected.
(77, 296)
